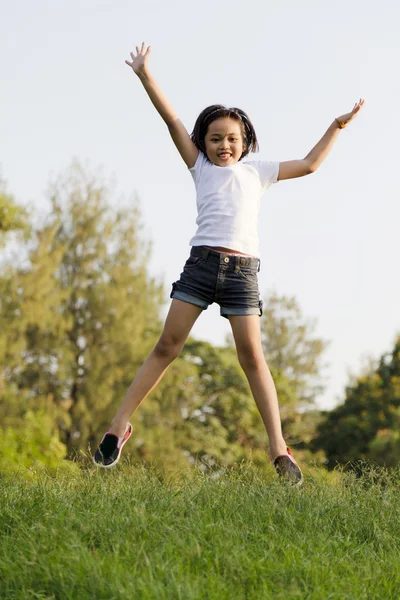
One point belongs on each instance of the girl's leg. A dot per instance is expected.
(247, 334)
(180, 320)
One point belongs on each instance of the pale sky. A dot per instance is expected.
(330, 239)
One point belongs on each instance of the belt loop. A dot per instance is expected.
(205, 253)
(237, 264)
(259, 265)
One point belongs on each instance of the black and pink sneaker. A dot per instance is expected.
(287, 467)
(109, 451)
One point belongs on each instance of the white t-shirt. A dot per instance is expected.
(228, 202)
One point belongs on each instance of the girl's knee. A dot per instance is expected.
(251, 360)
(168, 347)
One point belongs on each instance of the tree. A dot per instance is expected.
(12, 216)
(86, 306)
(364, 426)
(291, 348)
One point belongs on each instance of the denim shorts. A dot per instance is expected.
(229, 280)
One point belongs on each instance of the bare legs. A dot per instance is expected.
(247, 335)
(180, 320)
(246, 332)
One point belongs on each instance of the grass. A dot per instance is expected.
(131, 533)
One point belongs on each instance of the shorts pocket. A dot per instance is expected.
(247, 273)
(192, 261)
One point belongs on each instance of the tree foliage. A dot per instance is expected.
(83, 314)
(366, 425)
(291, 347)
(12, 216)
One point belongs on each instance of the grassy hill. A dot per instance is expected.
(132, 533)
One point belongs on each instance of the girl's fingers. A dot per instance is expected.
(360, 104)
(139, 51)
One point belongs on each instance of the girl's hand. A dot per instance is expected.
(344, 120)
(139, 62)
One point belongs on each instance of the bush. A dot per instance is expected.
(34, 443)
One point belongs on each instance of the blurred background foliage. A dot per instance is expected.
(79, 313)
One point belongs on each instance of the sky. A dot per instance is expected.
(329, 239)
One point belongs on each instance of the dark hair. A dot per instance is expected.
(218, 111)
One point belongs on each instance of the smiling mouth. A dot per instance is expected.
(224, 155)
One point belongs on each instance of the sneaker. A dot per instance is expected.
(287, 467)
(109, 451)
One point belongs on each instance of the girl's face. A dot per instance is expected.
(224, 142)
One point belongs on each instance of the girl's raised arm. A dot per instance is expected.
(297, 168)
(180, 136)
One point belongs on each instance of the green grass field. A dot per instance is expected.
(131, 533)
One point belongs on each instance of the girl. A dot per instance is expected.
(224, 258)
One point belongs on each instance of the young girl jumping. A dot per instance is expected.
(224, 258)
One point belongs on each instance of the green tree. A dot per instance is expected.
(291, 347)
(384, 449)
(12, 216)
(364, 426)
(86, 306)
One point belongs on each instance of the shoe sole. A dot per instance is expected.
(291, 482)
(119, 455)
(285, 476)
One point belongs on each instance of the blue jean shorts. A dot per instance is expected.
(229, 280)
